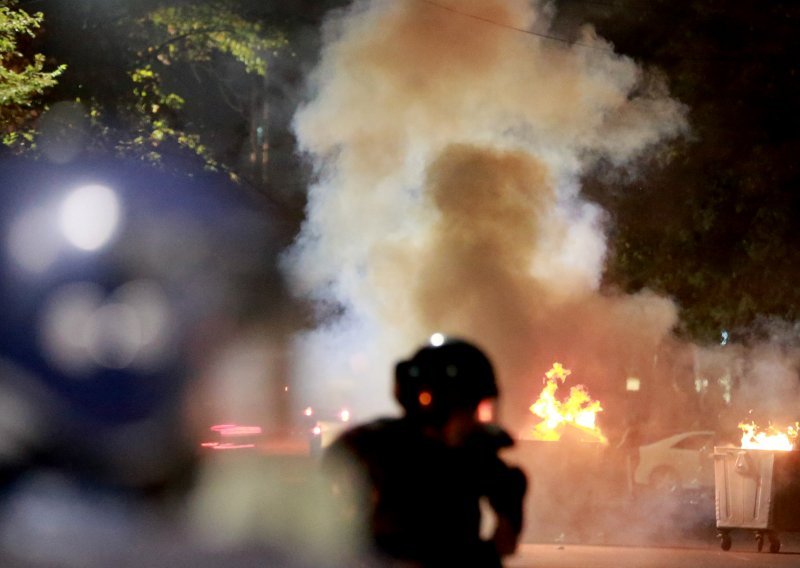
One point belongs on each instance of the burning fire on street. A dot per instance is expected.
(770, 438)
(578, 410)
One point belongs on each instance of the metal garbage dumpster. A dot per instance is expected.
(757, 490)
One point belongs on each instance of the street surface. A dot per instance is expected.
(265, 510)
(580, 556)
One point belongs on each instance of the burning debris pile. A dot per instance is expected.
(577, 411)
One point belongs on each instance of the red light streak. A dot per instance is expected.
(229, 431)
(235, 430)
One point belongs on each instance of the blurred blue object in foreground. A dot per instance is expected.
(114, 282)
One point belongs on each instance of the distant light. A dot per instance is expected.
(633, 384)
(232, 430)
(31, 241)
(68, 327)
(486, 411)
(241, 431)
(236, 430)
(317, 430)
(229, 446)
(437, 339)
(114, 334)
(286, 389)
(148, 335)
(90, 216)
(425, 398)
(82, 327)
(344, 415)
(308, 411)
(221, 427)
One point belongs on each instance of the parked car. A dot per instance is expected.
(680, 462)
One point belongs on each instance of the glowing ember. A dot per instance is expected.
(770, 439)
(578, 410)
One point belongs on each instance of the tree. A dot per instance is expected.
(146, 74)
(22, 78)
(192, 36)
(714, 225)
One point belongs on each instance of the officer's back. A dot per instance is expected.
(419, 479)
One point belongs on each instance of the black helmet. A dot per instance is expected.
(444, 375)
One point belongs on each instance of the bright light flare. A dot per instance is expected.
(437, 339)
(344, 415)
(633, 384)
(90, 216)
(753, 438)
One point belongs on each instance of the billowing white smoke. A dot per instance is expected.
(450, 149)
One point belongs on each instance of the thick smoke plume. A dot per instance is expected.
(450, 139)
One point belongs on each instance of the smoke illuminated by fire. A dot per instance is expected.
(578, 410)
(772, 438)
(449, 151)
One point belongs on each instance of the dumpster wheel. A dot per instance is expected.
(774, 542)
(726, 542)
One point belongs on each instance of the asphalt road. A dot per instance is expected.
(272, 507)
(581, 556)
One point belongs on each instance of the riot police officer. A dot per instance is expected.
(412, 486)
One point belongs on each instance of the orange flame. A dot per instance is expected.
(770, 439)
(578, 410)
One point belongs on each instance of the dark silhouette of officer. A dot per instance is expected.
(412, 487)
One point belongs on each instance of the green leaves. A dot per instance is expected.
(714, 227)
(196, 32)
(14, 22)
(154, 122)
(158, 74)
(20, 83)
(169, 40)
(22, 78)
